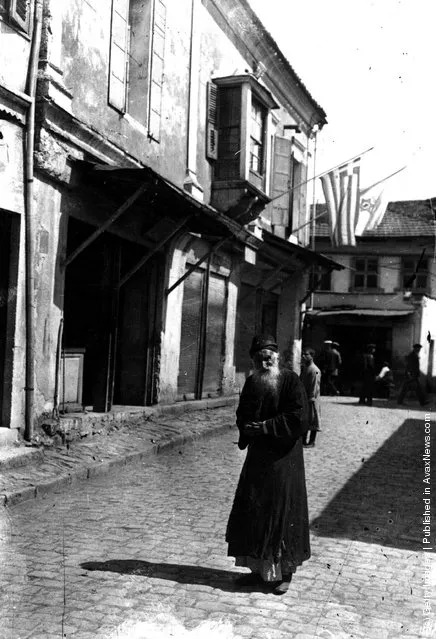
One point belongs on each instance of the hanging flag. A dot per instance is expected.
(373, 203)
(341, 192)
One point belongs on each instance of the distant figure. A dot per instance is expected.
(311, 379)
(337, 361)
(368, 375)
(412, 381)
(328, 363)
(385, 381)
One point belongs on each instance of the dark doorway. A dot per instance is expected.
(136, 335)
(117, 330)
(9, 249)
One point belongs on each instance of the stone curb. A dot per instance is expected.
(86, 470)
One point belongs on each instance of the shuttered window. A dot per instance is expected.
(119, 55)
(157, 69)
(137, 59)
(190, 335)
(19, 13)
(215, 326)
(229, 132)
(278, 211)
(140, 22)
(212, 122)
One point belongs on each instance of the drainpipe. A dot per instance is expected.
(29, 224)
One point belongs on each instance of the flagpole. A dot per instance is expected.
(355, 157)
(383, 180)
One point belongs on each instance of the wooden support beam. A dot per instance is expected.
(154, 250)
(122, 209)
(261, 283)
(192, 268)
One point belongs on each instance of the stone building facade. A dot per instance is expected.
(150, 227)
(385, 294)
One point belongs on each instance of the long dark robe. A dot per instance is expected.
(269, 518)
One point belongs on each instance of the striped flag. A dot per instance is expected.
(341, 192)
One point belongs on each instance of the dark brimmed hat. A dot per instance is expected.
(263, 341)
(417, 346)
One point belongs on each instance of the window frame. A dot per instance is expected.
(407, 273)
(124, 99)
(9, 13)
(366, 273)
(251, 93)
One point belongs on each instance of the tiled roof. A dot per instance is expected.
(407, 218)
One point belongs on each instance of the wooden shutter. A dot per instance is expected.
(278, 210)
(299, 213)
(229, 142)
(190, 335)
(119, 55)
(212, 122)
(216, 315)
(157, 67)
(20, 11)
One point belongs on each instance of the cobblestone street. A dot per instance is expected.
(140, 552)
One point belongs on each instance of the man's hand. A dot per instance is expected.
(253, 428)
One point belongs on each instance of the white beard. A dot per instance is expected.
(267, 381)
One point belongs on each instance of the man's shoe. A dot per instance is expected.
(283, 587)
(312, 445)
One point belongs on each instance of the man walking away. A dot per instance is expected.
(368, 375)
(337, 363)
(311, 380)
(268, 527)
(327, 363)
(412, 381)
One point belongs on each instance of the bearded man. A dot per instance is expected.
(268, 527)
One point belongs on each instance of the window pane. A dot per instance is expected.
(372, 265)
(360, 264)
(359, 281)
(371, 281)
(421, 280)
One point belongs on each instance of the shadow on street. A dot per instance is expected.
(410, 404)
(183, 574)
(383, 502)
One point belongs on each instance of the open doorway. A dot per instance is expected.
(115, 329)
(9, 254)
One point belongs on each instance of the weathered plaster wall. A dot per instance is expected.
(11, 167)
(50, 238)
(19, 349)
(289, 320)
(15, 52)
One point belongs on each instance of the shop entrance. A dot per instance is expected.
(113, 328)
(9, 247)
(202, 335)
